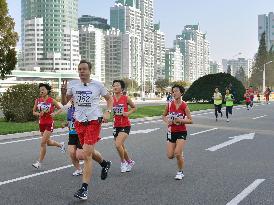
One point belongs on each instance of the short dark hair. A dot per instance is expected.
(122, 83)
(47, 86)
(181, 88)
(87, 62)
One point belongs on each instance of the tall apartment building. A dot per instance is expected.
(195, 49)
(97, 22)
(236, 64)
(55, 32)
(159, 53)
(92, 48)
(266, 24)
(126, 17)
(174, 70)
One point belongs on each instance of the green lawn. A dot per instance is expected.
(146, 111)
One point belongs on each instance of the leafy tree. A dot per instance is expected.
(8, 39)
(240, 75)
(162, 84)
(131, 84)
(261, 58)
(203, 88)
(181, 82)
(18, 101)
(229, 69)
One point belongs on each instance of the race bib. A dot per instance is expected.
(174, 115)
(83, 98)
(118, 109)
(71, 125)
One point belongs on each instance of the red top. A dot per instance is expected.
(247, 97)
(47, 107)
(175, 113)
(120, 106)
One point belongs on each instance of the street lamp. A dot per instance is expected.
(264, 74)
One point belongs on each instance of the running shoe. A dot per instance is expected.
(62, 148)
(179, 176)
(37, 165)
(104, 172)
(81, 194)
(130, 165)
(227, 120)
(124, 166)
(77, 172)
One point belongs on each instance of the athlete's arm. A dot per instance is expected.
(132, 106)
(65, 98)
(58, 108)
(34, 110)
(188, 120)
(164, 116)
(109, 100)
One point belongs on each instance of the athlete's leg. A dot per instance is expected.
(119, 144)
(43, 146)
(170, 148)
(72, 153)
(226, 111)
(180, 144)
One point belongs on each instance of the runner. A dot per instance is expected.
(44, 108)
(229, 98)
(88, 118)
(267, 94)
(247, 99)
(122, 125)
(251, 94)
(258, 95)
(176, 115)
(218, 100)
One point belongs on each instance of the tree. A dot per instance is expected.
(240, 75)
(131, 85)
(261, 58)
(180, 82)
(229, 69)
(203, 88)
(8, 39)
(162, 84)
(18, 101)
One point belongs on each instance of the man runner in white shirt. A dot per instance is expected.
(86, 93)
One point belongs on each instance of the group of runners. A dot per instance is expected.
(229, 99)
(84, 118)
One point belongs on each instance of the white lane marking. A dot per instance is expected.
(245, 192)
(34, 138)
(235, 139)
(139, 123)
(238, 108)
(68, 166)
(196, 133)
(259, 117)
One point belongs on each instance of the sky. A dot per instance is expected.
(231, 25)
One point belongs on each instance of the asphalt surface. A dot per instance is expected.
(224, 176)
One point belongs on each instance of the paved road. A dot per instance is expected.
(238, 172)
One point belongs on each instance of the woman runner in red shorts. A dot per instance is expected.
(44, 108)
(122, 124)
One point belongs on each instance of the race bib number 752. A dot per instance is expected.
(83, 98)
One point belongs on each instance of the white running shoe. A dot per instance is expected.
(37, 165)
(123, 167)
(77, 172)
(130, 165)
(227, 120)
(179, 176)
(62, 148)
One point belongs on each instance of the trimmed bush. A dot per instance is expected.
(203, 88)
(18, 101)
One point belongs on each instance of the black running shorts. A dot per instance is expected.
(116, 130)
(174, 136)
(74, 140)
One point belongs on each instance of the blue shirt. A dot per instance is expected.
(71, 120)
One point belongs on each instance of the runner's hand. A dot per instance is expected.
(64, 87)
(41, 114)
(125, 114)
(106, 117)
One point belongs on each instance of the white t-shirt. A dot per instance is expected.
(86, 99)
